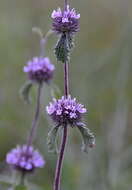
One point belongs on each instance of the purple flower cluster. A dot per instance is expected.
(39, 69)
(65, 111)
(65, 21)
(25, 158)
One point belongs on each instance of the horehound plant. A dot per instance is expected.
(66, 111)
(40, 70)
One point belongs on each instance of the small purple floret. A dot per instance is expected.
(25, 159)
(66, 111)
(39, 69)
(65, 21)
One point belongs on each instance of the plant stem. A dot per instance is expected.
(35, 119)
(60, 160)
(42, 47)
(43, 41)
(22, 177)
(66, 79)
(64, 137)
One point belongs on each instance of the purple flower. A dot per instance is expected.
(65, 21)
(65, 111)
(25, 159)
(39, 69)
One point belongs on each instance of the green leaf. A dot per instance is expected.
(62, 50)
(88, 137)
(20, 187)
(70, 39)
(25, 90)
(51, 140)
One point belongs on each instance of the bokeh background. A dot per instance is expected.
(100, 77)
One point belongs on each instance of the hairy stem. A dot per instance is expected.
(66, 79)
(35, 119)
(60, 160)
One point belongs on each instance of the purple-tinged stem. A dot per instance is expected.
(66, 79)
(35, 119)
(64, 137)
(60, 160)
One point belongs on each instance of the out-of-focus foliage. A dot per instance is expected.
(100, 77)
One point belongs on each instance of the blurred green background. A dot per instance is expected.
(100, 77)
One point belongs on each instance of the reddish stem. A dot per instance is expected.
(60, 160)
(66, 78)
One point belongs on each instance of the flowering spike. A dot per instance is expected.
(88, 138)
(51, 140)
(65, 21)
(66, 24)
(65, 111)
(25, 158)
(39, 69)
(25, 90)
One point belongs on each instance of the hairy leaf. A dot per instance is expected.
(51, 140)
(88, 138)
(62, 50)
(25, 90)
(70, 40)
